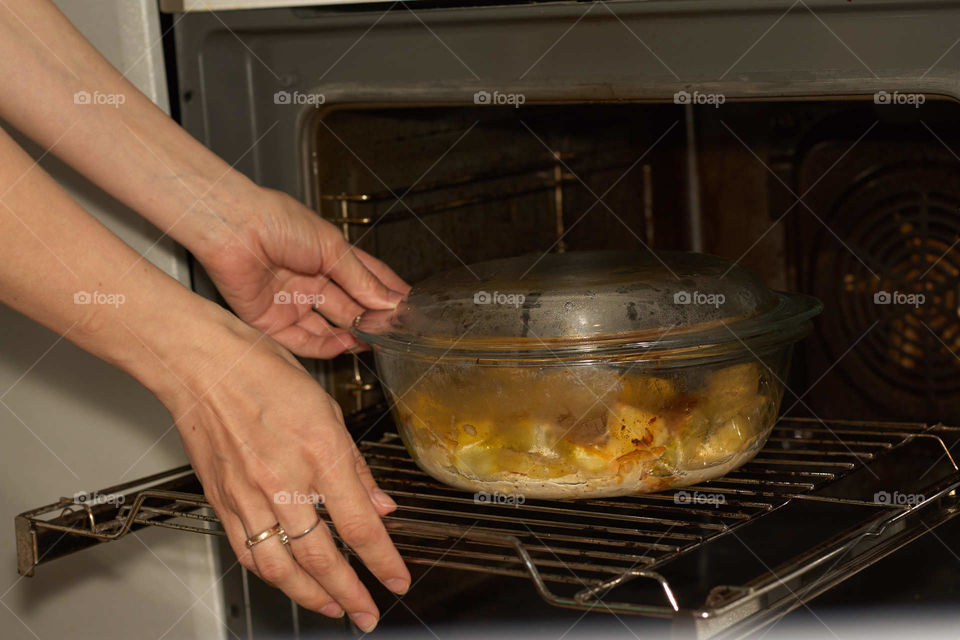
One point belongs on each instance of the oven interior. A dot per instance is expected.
(429, 188)
(842, 199)
(839, 199)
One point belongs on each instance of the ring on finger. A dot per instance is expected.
(276, 529)
(285, 539)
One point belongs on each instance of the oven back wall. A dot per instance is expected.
(69, 422)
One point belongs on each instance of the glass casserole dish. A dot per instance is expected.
(586, 374)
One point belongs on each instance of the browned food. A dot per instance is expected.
(583, 430)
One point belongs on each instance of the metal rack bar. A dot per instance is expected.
(549, 177)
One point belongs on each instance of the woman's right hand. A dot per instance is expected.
(257, 429)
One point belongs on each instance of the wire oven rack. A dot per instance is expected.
(820, 502)
(480, 187)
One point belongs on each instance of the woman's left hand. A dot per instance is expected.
(288, 272)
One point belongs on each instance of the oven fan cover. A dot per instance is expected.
(892, 322)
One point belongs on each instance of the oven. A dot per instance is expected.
(812, 141)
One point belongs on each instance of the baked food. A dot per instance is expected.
(584, 431)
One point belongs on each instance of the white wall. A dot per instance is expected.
(85, 426)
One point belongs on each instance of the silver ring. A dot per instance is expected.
(302, 533)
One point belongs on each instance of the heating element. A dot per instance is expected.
(715, 557)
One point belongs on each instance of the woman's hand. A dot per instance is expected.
(253, 422)
(255, 425)
(266, 441)
(279, 264)
(264, 438)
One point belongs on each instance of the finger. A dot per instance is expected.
(305, 338)
(298, 518)
(357, 280)
(359, 525)
(383, 503)
(335, 304)
(318, 554)
(275, 565)
(317, 325)
(237, 537)
(380, 269)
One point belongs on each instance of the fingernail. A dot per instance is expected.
(398, 585)
(360, 347)
(367, 622)
(383, 499)
(332, 610)
(394, 297)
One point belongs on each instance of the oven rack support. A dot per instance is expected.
(861, 490)
(453, 193)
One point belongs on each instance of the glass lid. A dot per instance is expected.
(604, 302)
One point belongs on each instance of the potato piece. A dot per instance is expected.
(757, 409)
(529, 436)
(532, 465)
(724, 442)
(514, 461)
(589, 430)
(713, 433)
(739, 381)
(633, 428)
(647, 391)
(478, 460)
(730, 390)
(586, 458)
(691, 435)
(636, 426)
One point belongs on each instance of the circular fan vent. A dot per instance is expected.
(896, 254)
